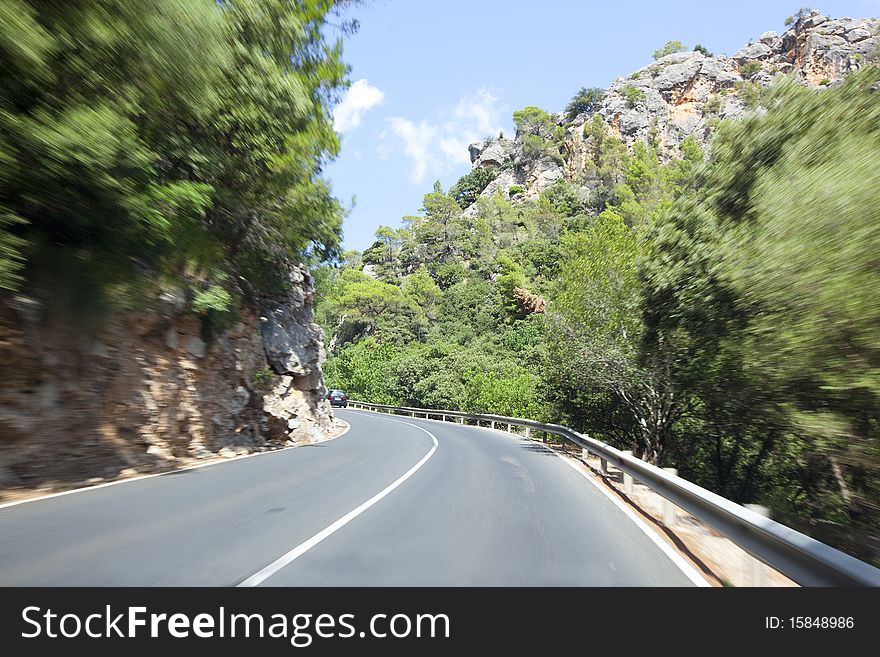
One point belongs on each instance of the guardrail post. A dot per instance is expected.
(603, 466)
(627, 478)
(585, 453)
(493, 424)
(755, 567)
(509, 428)
(528, 433)
(669, 513)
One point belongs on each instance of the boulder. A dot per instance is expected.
(491, 153)
(292, 341)
(752, 51)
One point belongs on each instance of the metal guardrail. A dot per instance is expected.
(801, 558)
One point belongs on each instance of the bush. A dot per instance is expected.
(469, 186)
(803, 12)
(750, 92)
(633, 95)
(713, 105)
(215, 298)
(585, 101)
(262, 379)
(516, 190)
(750, 69)
(703, 49)
(669, 48)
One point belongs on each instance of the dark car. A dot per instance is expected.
(337, 398)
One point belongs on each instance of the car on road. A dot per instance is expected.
(337, 398)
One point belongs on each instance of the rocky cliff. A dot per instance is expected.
(150, 390)
(686, 93)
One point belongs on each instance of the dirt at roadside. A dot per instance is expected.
(20, 493)
(720, 561)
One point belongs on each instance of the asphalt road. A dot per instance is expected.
(387, 504)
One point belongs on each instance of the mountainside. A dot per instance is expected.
(683, 265)
(148, 389)
(685, 94)
(161, 184)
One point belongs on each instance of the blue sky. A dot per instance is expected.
(430, 77)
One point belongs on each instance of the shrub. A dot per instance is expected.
(803, 12)
(669, 48)
(215, 298)
(262, 379)
(469, 186)
(713, 105)
(585, 101)
(633, 95)
(750, 69)
(750, 92)
(515, 190)
(703, 49)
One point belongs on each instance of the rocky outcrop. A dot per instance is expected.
(528, 302)
(151, 389)
(491, 153)
(685, 94)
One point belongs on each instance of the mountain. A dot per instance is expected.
(685, 94)
(683, 265)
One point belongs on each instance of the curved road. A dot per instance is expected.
(394, 502)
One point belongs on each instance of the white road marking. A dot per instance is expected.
(166, 472)
(690, 572)
(261, 576)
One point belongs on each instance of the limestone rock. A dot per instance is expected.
(292, 341)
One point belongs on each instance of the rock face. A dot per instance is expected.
(684, 94)
(151, 389)
(293, 342)
(491, 153)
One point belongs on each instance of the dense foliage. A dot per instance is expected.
(149, 142)
(716, 316)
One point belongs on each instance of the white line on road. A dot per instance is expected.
(257, 578)
(690, 572)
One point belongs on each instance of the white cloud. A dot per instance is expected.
(436, 147)
(359, 98)
(417, 144)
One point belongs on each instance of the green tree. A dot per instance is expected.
(469, 186)
(585, 101)
(364, 370)
(422, 289)
(597, 330)
(439, 233)
(669, 48)
(633, 95)
(537, 132)
(766, 269)
(151, 140)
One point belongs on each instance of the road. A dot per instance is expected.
(394, 502)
